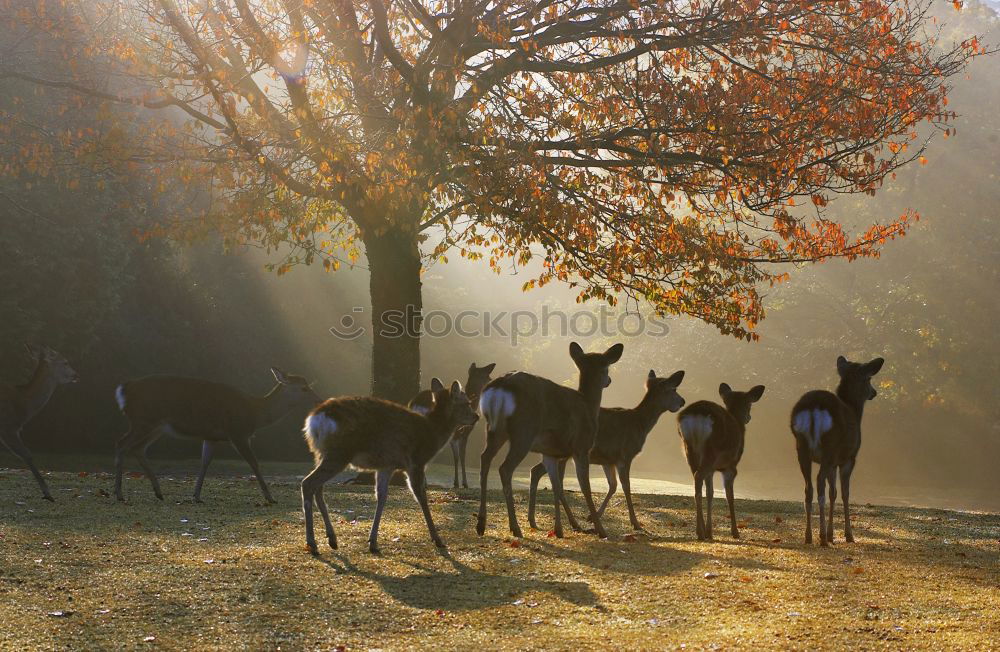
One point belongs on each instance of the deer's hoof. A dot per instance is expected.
(332, 543)
(159, 496)
(736, 534)
(480, 529)
(849, 538)
(373, 549)
(49, 498)
(313, 550)
(440, 544)
(636, 525)
(516, 532)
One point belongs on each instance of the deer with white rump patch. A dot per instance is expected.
(621, 434)
(535, 414)
(424, 402)
(827, 429)
(212, 412)
(713, 437)
(371, 434)
(20, 403)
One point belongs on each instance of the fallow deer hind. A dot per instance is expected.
(827, 430)
(381, 436)
(713, 437)
(535, 414)
(212, 412)
(20, 403)
(621, 434)
(424, 402)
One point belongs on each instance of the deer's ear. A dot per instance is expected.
(280, 376)
(456, 388)
(614, 354)
(874, 366)
(436, 385)
(756, 393)
(575, 351)
(725, 390)
(489, 368)
(842, 365)
(675, 380)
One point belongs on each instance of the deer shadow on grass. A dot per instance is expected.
(463, 588)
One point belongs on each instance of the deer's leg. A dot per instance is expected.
(493, 443)
(312, 489)
(821, 476)
(147, 468)
(609, 473)
(625, 475)
(831, 478)
(417, 480)
(728, 478)
(537, 471)
(454, 456)
(805, 465)
(845, 490)
(135, 436)
(207, 450)
(553, 467)
(710, 498)
(516, 452)
(16, 446)
(573, 523)
(582, 462)
(699, 480)
(243, 447)
(462, 445)
(382, 478)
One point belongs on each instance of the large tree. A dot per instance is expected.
(673, 151)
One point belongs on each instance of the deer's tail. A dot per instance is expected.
(497, 404)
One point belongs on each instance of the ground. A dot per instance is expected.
(88, 573)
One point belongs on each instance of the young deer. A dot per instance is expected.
(20, 403)
(827, 429)
(381, 436)
(536, 414)
(212, 412)
(713, 437)
(424, 401)
(621, 434)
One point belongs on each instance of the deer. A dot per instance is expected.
(621, 434)
(372, 434)
(535, 414)
(201, 409)
(424, 402)
(827, 430)
(20, 403)
(713, 437)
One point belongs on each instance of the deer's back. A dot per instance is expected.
(191, 406)
(370, 433)
(563, 419)
(621, 434)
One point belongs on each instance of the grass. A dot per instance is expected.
(88, 573)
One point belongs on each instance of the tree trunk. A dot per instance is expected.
(394, 261)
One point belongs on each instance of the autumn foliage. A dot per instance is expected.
(666, 150)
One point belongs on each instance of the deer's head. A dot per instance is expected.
(856, 378)
(663, 391)
(594, 366)
(55, 363)
(478, 378)
(739, 403)
(453, 403)
(294, 391)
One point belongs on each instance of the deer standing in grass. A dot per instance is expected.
(212, 412)
(827, 429)
(424, 402)
(621, 434)
(535, 414)
(20, 403)
(376, 435)
(713, 437)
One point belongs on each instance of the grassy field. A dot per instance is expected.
(87, 573)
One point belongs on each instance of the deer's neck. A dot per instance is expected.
(855, 403)
(648, 412)
(592, 393)
(37, 392)
(271, 407)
